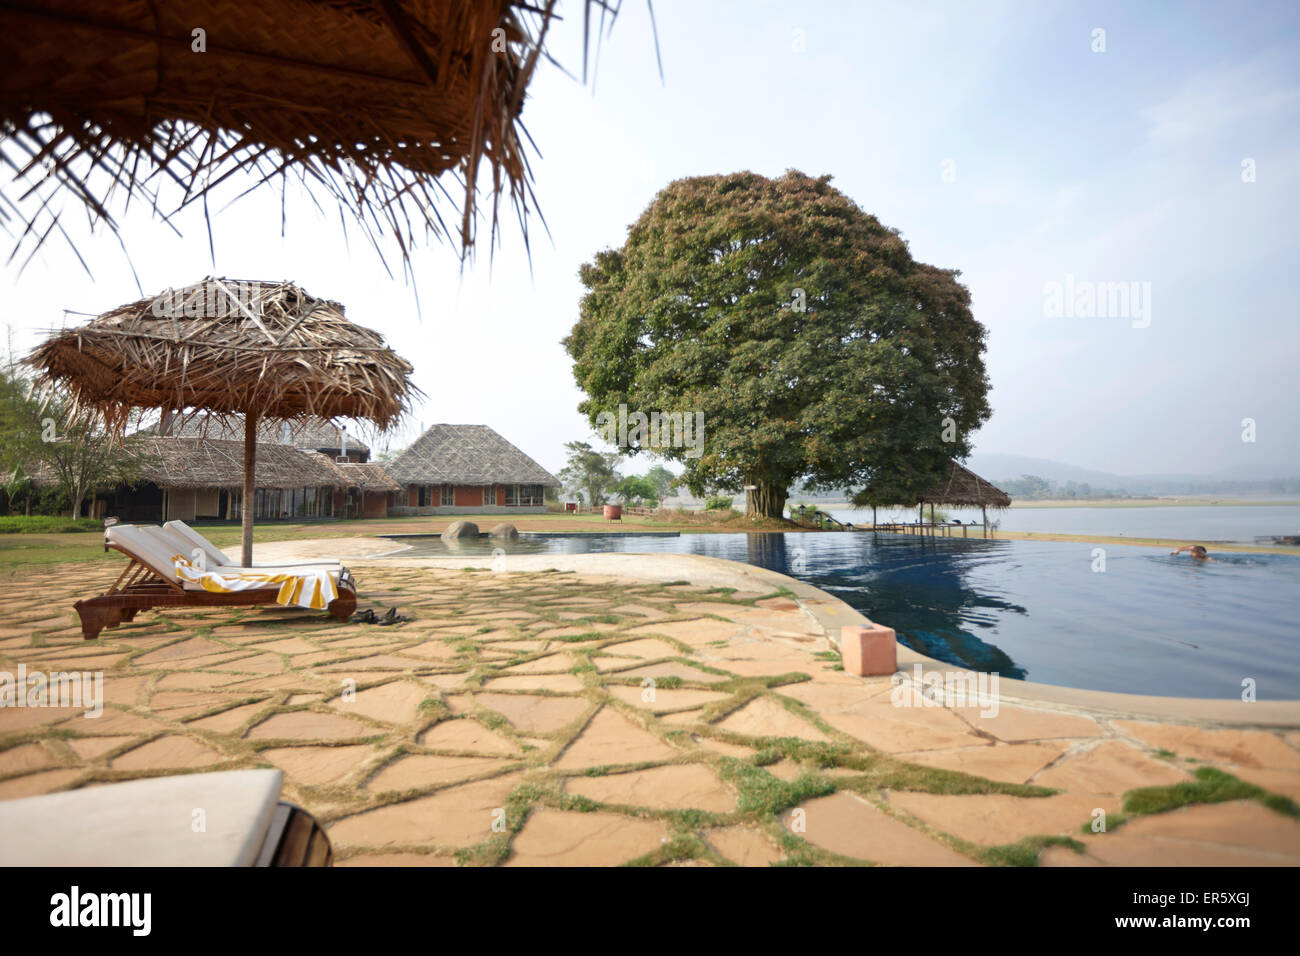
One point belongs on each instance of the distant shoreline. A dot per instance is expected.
(1157, 503)
(1104, 503)
(1210, 544)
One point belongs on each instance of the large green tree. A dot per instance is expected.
(813, 343)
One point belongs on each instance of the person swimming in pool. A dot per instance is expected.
(1198, 552)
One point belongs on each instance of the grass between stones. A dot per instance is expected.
(445, 602)
(1210, 786)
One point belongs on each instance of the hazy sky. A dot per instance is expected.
(991, 134)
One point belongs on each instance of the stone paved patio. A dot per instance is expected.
(556, 718)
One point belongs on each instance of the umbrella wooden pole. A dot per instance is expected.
(250, 486)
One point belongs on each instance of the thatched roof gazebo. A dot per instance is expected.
(254, 349)
(962, 488)
(959, 488)
(367, 102)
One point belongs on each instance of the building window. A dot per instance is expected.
(448, 497)
(524, 496)
(489, 494)
(426, 496)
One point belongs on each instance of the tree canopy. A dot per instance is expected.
(588, 471)
(48, 434)
(813, 343)
(662, 480)
(636, 490)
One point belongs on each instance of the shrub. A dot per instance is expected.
(717, 503)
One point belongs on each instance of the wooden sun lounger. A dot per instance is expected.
(142, 586)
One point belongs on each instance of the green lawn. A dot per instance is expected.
(35, 548)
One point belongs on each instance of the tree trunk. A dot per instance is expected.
(77, 496)
(766, 501)
(250, 486)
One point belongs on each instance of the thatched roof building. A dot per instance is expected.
(186, 464)
(366, 102)
(202, 478)
(466, 455)
(454, 469)
(189, 463)
(370, 478)
(324, 437)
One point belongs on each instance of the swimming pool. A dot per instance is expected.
(1036, 610)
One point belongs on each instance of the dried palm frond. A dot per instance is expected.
(368, 103)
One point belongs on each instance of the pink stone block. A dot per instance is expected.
(869, 651)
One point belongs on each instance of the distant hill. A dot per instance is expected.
(995, 467)
(1242, 481)
(1263, 479)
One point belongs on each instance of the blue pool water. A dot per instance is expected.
(1148, 624)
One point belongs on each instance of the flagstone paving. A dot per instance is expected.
(560, 718)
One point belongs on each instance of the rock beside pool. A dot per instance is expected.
(460, 529)
(504, 530)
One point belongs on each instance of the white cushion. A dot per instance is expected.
(183, 531)
(143, 547)
(218, 559)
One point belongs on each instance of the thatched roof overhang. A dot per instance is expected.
(366, 102)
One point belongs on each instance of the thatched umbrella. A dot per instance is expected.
(253, 349)
(369, 101)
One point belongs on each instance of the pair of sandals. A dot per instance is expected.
(368, 616)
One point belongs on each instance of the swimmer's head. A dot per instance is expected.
(1199, 551)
